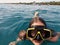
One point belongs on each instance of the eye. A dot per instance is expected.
(33, 33)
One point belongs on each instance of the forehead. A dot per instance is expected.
(38, 24)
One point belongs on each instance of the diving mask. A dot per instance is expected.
(38, 33)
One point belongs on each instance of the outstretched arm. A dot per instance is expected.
(21, 36)
(15, 42)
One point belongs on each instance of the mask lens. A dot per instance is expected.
(47, 34)
(32, 33)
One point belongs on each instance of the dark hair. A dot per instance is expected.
(35, 19)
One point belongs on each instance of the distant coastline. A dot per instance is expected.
(38, 3)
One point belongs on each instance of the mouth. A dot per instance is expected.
(37, 41)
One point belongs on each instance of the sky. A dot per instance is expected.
(16, 1)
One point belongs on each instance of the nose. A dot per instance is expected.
(38, 36)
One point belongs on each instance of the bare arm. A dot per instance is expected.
(15, 42)
(21, 36)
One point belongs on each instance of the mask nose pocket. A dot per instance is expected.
(38, 36)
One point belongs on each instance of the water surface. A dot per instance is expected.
(16, 17)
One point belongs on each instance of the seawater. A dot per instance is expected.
(16, 17)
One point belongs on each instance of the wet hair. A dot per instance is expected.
(35, 20)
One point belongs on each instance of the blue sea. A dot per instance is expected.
(16, 17)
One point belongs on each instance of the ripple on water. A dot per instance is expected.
(15, 17)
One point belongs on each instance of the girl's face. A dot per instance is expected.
(36, 24)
